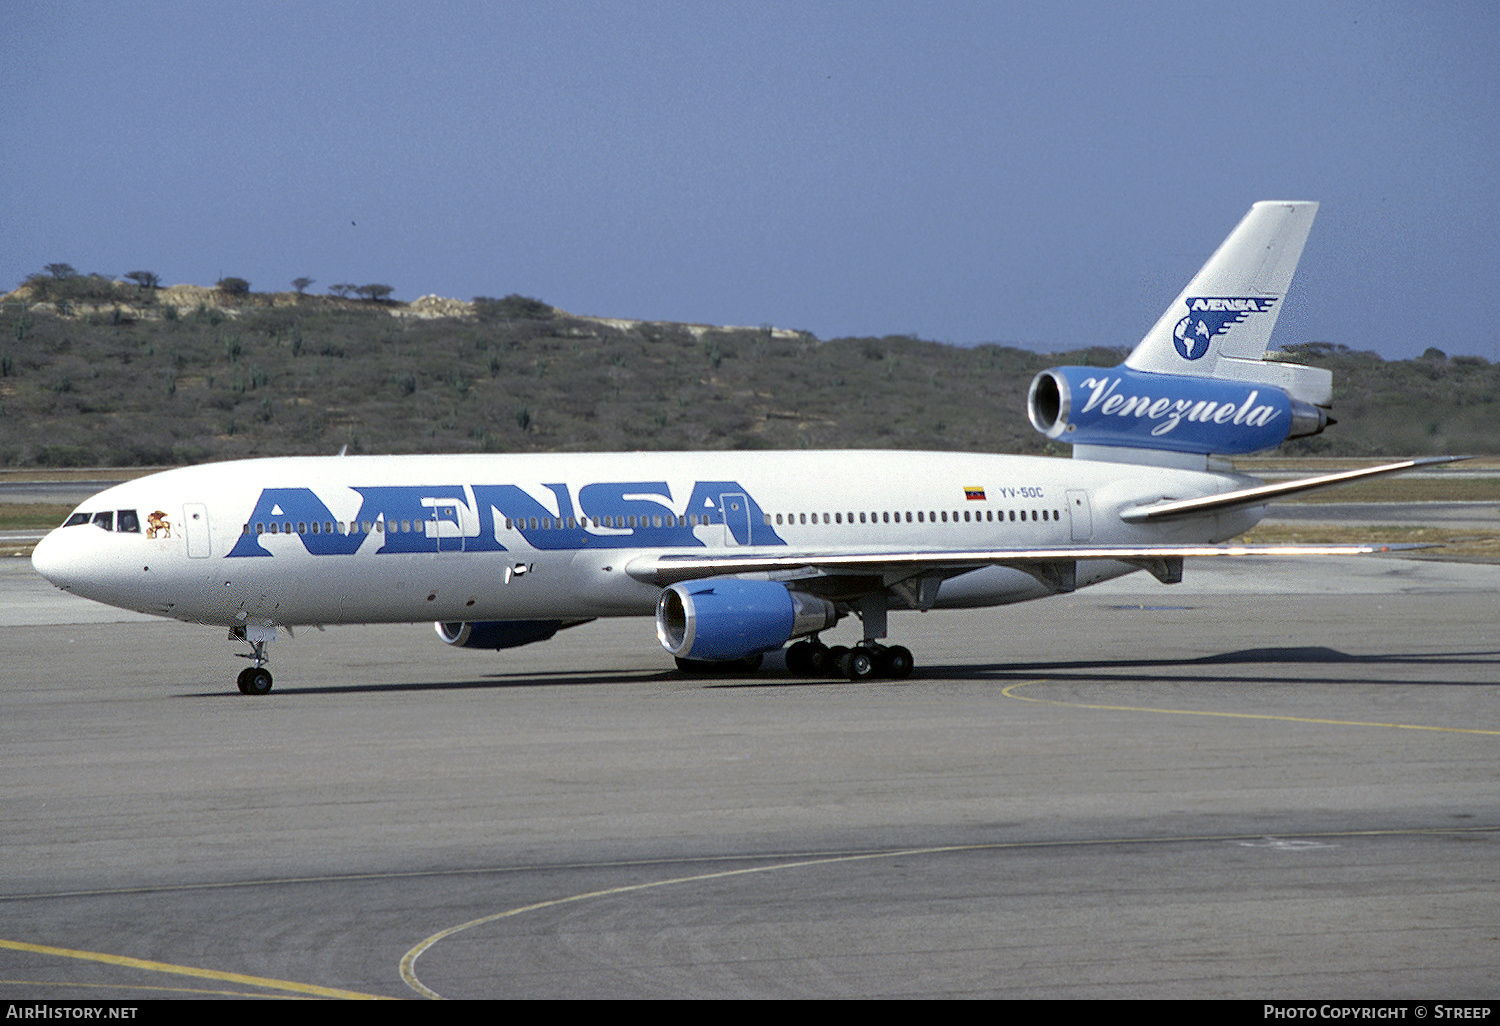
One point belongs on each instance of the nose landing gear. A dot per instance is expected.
(256, 679)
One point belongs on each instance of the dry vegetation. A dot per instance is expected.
(152, 377)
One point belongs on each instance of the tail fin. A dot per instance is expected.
(1199, 383)
(1229, 308)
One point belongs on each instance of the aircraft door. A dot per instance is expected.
(1078, 512)
(735, 509)
(446, 525)
(195, 525)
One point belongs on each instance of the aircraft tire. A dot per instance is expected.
(799, 659)
(898, 662)
(833, 661)
(860, 663)
(255, 681)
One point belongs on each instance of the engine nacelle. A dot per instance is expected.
(1125, 407)
(727, 618)
(496, 634)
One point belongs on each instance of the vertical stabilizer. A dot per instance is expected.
(1228, 310)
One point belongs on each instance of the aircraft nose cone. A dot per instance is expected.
(51, 559)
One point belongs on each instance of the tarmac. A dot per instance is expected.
(1276, 780)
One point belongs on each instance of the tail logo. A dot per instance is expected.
(1208, 318)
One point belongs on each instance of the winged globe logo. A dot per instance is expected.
(1210, 317)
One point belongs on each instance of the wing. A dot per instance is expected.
(1053, 565)
(1262, 494)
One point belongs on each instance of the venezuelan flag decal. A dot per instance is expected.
(974, 494)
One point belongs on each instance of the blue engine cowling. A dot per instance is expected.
(1124, 407)
(727, 618)
(496, 634)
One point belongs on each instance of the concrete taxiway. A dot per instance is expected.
(1277, 779)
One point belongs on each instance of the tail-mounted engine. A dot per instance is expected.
(1124, 407)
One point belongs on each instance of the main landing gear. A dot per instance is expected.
(865, 661)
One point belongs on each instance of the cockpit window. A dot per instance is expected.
(126, 520)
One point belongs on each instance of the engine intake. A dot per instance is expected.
(728, 618)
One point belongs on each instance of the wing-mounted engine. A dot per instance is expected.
(1119, 406)
(727, 618)
(498, 634)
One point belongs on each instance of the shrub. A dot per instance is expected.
(512, 308)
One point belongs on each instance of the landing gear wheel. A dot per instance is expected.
(860, 663)
(255, 680)
(898, 662)
(833, 661)
(799, 659)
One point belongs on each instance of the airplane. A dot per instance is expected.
(736, 554)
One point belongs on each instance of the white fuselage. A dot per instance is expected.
(313, 540)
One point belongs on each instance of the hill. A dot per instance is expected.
(133, 376)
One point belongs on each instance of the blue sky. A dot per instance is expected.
(1038, 174)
